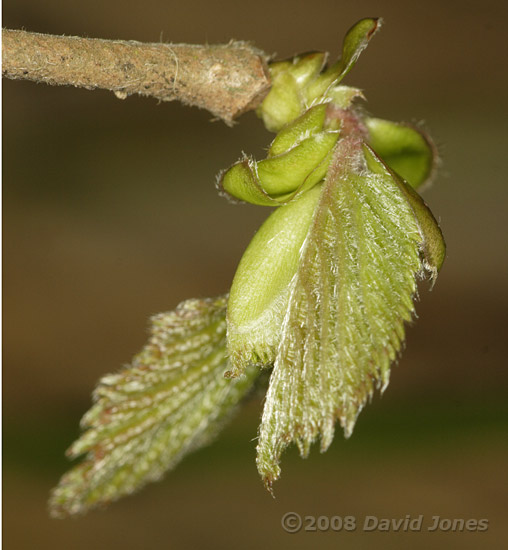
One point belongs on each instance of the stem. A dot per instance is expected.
(226, 80)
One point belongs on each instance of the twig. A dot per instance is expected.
(227, 80)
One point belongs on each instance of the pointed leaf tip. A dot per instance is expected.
(356, 40)
(170, 401)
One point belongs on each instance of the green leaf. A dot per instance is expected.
(288, 172)
(170, 401)
(405, 149)
(346, 305)
(355, 41)
(298, 159)
(432, 246)
(308, 124)
(260, 290)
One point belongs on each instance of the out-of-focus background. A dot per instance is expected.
(111, 215)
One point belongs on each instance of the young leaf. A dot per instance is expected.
(307, 124)
(298, 84)
(170, 401)
(260, 290)
(347, 303)
(432, 245)
(297, 159)
(356, 40)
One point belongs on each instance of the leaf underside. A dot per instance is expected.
(171, 400)
(349, 298)
(406, 149)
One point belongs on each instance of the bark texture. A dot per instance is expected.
(226, 79)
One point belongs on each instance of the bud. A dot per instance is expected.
(299, 84)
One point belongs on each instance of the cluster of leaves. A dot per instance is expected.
(320, 295)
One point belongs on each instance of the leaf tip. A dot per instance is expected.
(268, 483)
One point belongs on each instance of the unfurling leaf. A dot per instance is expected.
(345, 309)
(260, 290)
(356, 40)
(298, 84)
(298, 158)
(170, 401)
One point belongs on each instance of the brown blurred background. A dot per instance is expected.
(111, 215)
